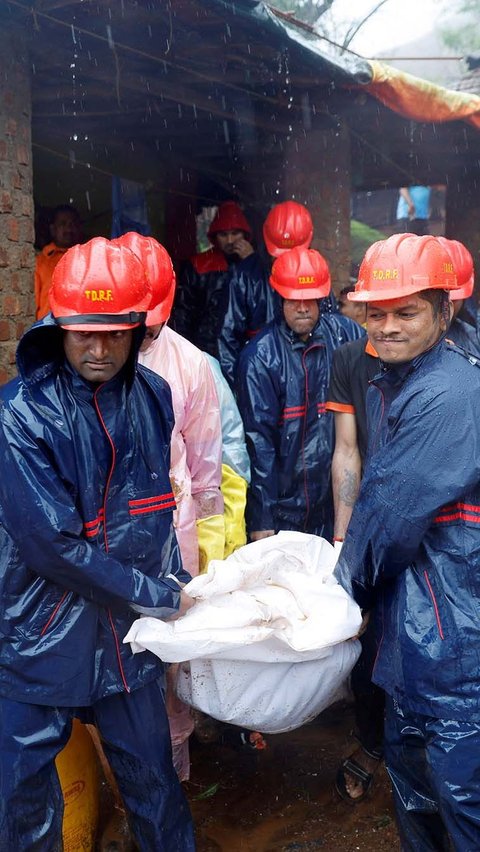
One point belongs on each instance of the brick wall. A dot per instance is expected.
(16, 201)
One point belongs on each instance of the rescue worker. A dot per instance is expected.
(65, 231)
(87, 544)
(463, 328)
(355, 365)
(282, 385)
(201, 294)
(251, 302)
(413, 543)
(196, 449)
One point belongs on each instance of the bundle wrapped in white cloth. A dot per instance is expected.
(269, 640)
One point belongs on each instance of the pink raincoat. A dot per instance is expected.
(196, 449)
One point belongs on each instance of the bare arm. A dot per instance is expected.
(346, 471)
(257, 536)
(408, 198)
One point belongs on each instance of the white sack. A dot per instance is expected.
(266, 639)
(272, 600)
(267, 697)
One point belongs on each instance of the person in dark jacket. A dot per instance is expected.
(251, 303)
(463, 329)
(86, 544)
(202, 287)
(412, 547)
(282, 385)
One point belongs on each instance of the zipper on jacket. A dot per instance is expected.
(435, 605)
(105, 537)
(53, 615)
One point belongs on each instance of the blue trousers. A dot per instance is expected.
(434, 765)
(136, 739)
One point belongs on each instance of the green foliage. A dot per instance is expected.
(461, 32)
(361, 238)
(208, 792)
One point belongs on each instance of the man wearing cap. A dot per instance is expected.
(282, 384)
(412, 548)
(202, 288)
(86, 545)
(251, 303)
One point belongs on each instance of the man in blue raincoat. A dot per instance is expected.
(86, 544)
(282, 385)
(413, 544)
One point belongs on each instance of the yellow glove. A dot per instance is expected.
(234, 490)
(211, 540)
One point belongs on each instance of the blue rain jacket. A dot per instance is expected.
(413, 543)
(86, 537)
(465, 335)
(201, 297)
(282, 386)
(251, 303)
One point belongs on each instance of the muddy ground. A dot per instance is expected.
(278, 800)
(282, 799)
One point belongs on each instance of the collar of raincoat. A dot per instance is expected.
(40, 352)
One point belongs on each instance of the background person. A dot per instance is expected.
(463, 329)
(251, 303)
(413, 209)
(282, 385)
(65, 231)
(354, 310)
(84, 440)
(202, 287)
(412, 547)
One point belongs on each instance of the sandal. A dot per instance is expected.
(353, 768)
(244, 740)
(252, 740)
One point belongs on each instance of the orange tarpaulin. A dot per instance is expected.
(420, 100)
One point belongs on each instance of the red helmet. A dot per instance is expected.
(401, 265)
(100, 286)
(301, 273)
(159, 270)
(463, 265)
(287, 225)
(229, 217)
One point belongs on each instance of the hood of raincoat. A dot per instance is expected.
(413, 543)
(86, 536)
